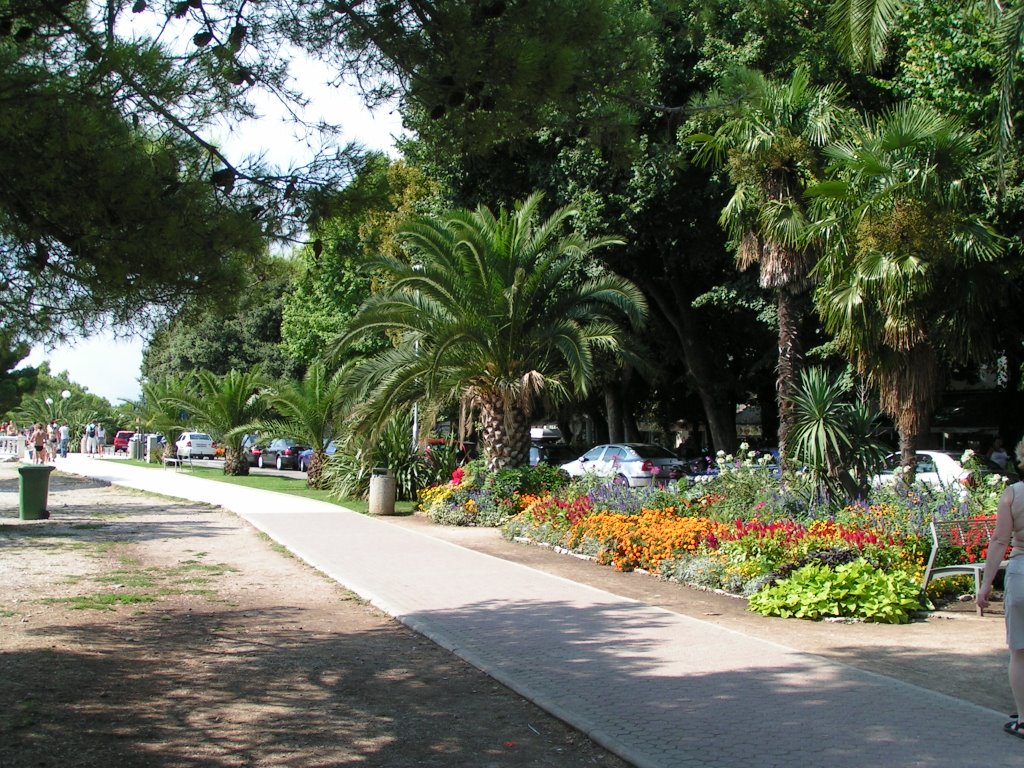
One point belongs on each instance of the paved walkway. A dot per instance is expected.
(657, 688)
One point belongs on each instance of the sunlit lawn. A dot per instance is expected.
(296, 486)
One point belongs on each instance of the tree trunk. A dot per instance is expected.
(314, 475)
(517, 426)
(613, 411)
(719, 406)
(785, 381)
(235, 463)
(493, 437)
(504, 433)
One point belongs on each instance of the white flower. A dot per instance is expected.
(744, 447)
(720, 454)
(751, 454)
(968, 455)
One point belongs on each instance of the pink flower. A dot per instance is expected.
(457, 476)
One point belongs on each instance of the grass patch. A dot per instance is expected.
(276, 546)
(209, 594)
(190, 566)
(133, 579)
(105, 601)
(198, 581)
(293, 486)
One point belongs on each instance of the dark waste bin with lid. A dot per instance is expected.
(33, 491)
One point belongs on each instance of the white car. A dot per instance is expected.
(194, 445)
(628, 464)
(935, 468)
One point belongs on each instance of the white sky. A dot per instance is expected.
(110, 367)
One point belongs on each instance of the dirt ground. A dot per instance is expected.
(142, 631)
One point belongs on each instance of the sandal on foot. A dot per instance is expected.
(1015, 728)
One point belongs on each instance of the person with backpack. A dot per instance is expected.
(90, 439)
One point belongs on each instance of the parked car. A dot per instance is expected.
(282, 453)
(630, 464)
(552, 454)
(307, 455)
(935, 468)
(252, 447)
(121, 440)
(194, 445)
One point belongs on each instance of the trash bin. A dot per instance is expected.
(33, 491)
(382, 492)
(135, 447)
(152, 443)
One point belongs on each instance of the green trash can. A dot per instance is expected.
(33, 491)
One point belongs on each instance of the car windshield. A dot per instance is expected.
(201, 436)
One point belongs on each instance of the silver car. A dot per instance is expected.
(630, 464)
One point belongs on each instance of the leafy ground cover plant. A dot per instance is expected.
(856, 590)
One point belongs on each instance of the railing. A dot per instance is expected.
(12, 447)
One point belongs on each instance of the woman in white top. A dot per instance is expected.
(1010, 527)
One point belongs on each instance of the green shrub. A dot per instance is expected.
(854, 590)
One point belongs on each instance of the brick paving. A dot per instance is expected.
(657, 688)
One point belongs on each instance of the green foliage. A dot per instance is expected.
(308, 411)
(854, 590)
(836, 440)
(487, 497)
(78, 409)
(910, 270)
(240, 332)
(492, 311)
(331, 286)
(749, 484)
(348, 471)
(15, 382)
(226, 407)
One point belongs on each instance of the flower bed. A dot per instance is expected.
(790, 556)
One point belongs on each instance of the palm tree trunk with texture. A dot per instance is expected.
(786, 372)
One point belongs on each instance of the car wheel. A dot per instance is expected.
(620, 480)
(280, 464)
(259, 462)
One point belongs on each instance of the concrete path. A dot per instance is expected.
(659, 689)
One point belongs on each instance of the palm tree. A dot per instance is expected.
(309, 411)
(770, 141)
(159, 411)
(861, 28)
(492, 313)
(226, 407)
(907, 277)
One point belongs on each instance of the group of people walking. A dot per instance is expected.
(46, 441)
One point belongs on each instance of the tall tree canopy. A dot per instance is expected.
(115, 196)
(491, 312)
(908, 278)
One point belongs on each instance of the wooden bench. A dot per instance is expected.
(949, 534)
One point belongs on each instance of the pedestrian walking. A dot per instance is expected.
(90, 439)
(1010, 529)
(65, 437)
(38, 441)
